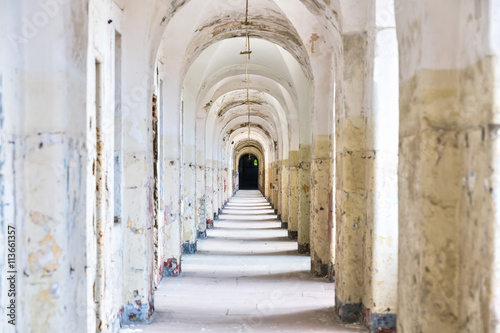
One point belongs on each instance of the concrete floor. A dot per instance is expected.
(245, 277)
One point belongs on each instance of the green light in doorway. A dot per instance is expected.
(255, 163)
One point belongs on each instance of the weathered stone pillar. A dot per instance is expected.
(228, 184)
(188, 210)
(382, 130)
(304, 198)
(448, 167)
(138, 200)
(272, 183)
(172, 245)
(201, 222)
(276, 186)
(294, 190)
(215, 184)
(351, 162)
(279, 181)
(267, 183)
(209, 210)
(220, 183)
(367, 129)
(321, 193)
(285, 192)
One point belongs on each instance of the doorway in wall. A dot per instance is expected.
(249, 172)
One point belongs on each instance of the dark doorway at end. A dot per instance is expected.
(249, 172)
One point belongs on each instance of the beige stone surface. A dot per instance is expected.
(321, 225)
(294, 190)
(285, 191)
(304, 194)
(445, 173)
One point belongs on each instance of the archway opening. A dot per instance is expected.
(249, 172)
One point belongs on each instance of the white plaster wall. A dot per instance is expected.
(382, 113)
(43, 165)
(3, 173)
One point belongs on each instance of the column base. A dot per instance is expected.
(202, 234)
(137, 313)
(348, 313)
(188, 248)
(210, 224)
(304, 248)
(284, 225)
(379, 323)
(320, 269)
(331, 272)
(293, 235)
(172, 268)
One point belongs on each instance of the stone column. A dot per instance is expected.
(304, 198)
(285, 192)
(382, 131)
(215, 184)
(279, 181)
(138, 191)
(201, 222)
(351, 159)
(267, 183)
(171, 171)
(277, 187)
(320, 201)
(209, 210)
(448, 167)
(220, 183)
(188, 208)
(272, 183)
(217, 188)
(294, 190)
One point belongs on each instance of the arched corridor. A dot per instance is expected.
(251, 279)
(366, 131)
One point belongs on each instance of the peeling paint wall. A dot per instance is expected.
(3, 175)
(351, 159)
(304, 198)
(188, 210)
(294, 192)
(42, 165)
(285, 191)
(382, 128)
(321, 177)
(367, 127)
(447, 172)
(201, 218)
